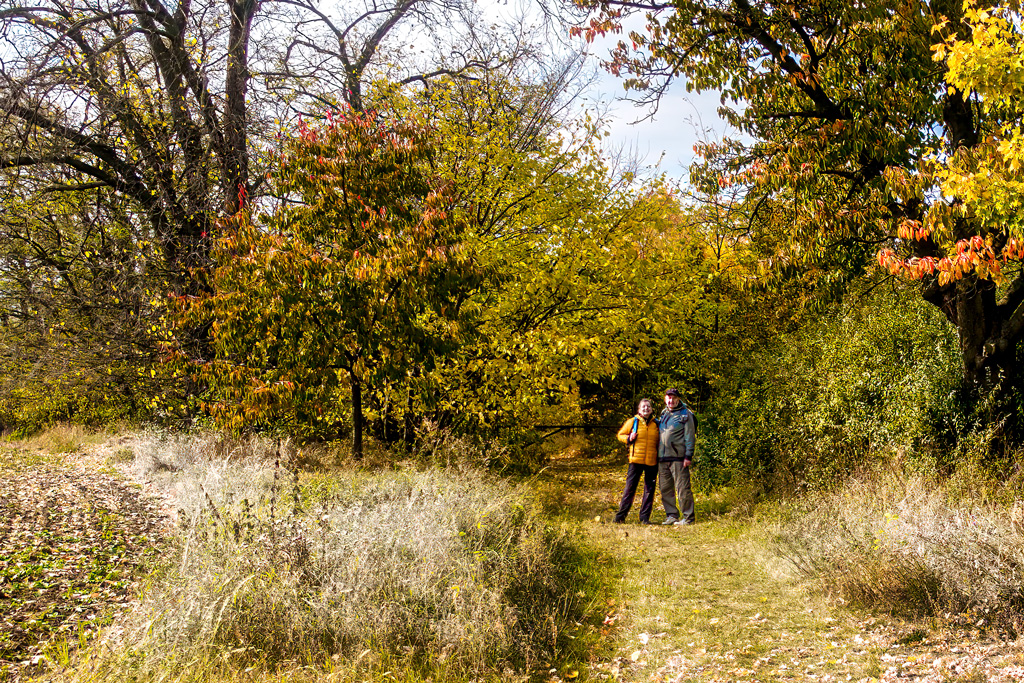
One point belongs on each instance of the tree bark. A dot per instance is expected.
(357, 419)
(236, 156)
(989, 330)
(409, 428)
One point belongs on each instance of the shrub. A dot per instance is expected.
(876, 375)
(898, 542)
(444, 570)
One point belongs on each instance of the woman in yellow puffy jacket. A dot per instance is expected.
(640, 434)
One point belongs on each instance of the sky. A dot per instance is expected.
(681, 120)
(667, 137)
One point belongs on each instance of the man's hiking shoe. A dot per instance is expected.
(645, 521)
(619, 521)
(684, 522)
(669, 521)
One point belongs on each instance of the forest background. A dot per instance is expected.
(322, 221)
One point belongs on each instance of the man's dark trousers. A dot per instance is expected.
(650, 474)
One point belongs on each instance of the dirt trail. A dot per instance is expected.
(710, 602)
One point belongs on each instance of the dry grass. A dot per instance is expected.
(897, 542)
(446, 573)
(63, 438)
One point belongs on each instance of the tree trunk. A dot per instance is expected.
(409, 431)
(357, 420)
(989, 331)
(236, 84)
(989, 327)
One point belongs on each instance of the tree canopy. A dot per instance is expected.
(858, 117)
(334, 232)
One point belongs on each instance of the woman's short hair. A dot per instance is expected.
(643, 401)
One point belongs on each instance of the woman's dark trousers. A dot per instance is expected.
(650, 475)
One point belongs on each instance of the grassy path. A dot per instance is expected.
(710, 603)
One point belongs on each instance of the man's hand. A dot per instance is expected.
(631, 438)
(687, 462)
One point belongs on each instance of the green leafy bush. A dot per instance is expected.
(874, 377)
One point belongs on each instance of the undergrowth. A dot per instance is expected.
(912, 546)
(63, 438)
(443, 573)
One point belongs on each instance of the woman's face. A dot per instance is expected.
(646, 408)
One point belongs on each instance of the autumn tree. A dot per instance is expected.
(80, 314)
(358, 278)
(164, 116)
(550, 282)
(564, 241)
(846, 106)
(162, 103)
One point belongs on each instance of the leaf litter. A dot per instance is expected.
(72, 542)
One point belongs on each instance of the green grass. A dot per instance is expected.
(708, 606)
(14, 460)
(714, 602)
(699, 601)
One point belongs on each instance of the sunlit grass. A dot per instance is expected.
(714, 601)
(444, 574)
(62, 438)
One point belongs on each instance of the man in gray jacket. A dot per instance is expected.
(675, 455)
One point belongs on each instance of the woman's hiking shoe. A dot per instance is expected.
(669, 521)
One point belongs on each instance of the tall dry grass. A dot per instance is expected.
(447, 573)
(912, 546)
(64, 438)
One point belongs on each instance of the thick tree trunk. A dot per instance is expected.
(990, 329)
(989, 326)
(236, 85)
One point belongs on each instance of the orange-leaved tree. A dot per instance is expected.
(357, 277)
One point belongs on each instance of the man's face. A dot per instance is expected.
(646, 409)
(672, 401)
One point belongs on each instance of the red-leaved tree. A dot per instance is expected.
(356, 279)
